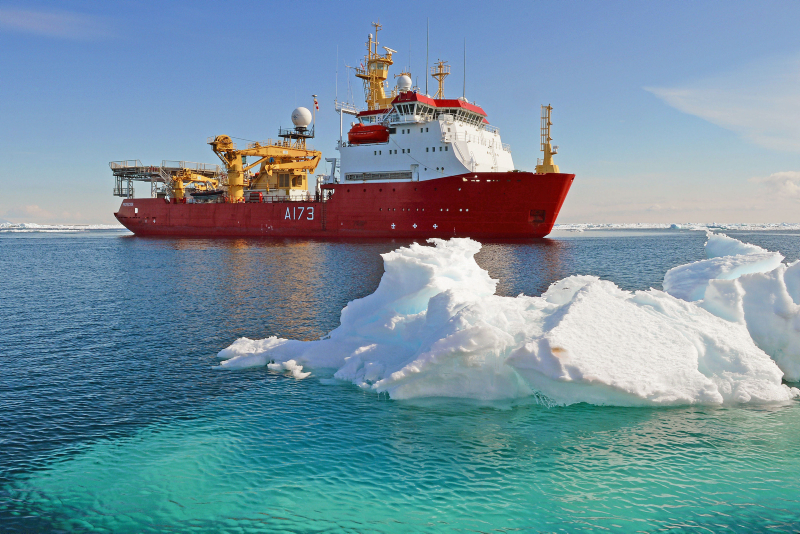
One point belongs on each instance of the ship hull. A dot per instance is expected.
(480, 205)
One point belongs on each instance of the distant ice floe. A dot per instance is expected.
(580, 227)
(55, 228)
(435, 328)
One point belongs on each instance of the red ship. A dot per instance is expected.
(413, 166)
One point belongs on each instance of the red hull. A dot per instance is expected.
(494, 205)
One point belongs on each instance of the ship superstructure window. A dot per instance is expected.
(283, 180)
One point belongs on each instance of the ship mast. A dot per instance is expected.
(374, 71)
(440, 72)
(547, 164)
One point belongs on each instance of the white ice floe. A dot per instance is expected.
(580, 227)
(291, 367)
(435, 328)
(747, 285)
(55, 228)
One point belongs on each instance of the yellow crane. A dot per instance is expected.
(283, 164)
(184, 176)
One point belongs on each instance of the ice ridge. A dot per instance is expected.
(750, 286)
(435, 328)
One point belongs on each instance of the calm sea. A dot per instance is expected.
(112, 419)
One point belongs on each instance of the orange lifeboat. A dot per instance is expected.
(362, 134)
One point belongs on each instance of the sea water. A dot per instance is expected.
(113, 416)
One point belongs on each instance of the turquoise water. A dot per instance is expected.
(111, 418)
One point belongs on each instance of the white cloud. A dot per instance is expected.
(785, 183)
(28, 212)
(59, 24)
(759, 102)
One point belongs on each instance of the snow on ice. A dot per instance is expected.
(435, 328)
(750, 286)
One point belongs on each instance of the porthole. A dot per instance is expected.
(365, 190)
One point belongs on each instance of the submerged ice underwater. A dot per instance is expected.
(725, 330)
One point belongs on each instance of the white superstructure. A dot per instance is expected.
(427, 139)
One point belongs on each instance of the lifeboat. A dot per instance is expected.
(362, 134)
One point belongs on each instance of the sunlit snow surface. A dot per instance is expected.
(435, 328)
(55, 228)
(751, 287)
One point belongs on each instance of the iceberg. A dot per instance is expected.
(747, 285)
(435, 328)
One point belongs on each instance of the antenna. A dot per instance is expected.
(464, 91)
(427, 47)
(337, 72)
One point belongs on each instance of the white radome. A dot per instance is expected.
(403, 83)
(301, 117)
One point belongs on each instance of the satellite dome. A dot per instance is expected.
(403, 83)
(301, 117)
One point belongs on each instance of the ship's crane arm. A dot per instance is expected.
(184, 176)
(281, 155)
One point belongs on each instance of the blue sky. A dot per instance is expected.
(666, 112)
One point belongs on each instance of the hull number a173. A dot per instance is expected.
(296, 213)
